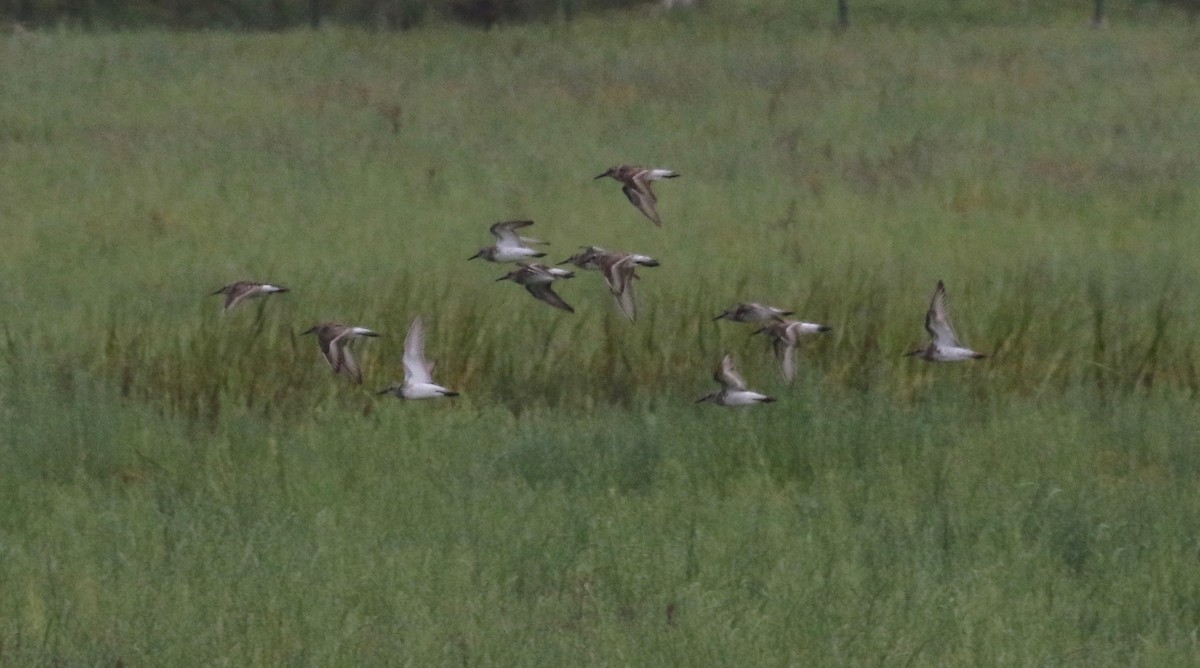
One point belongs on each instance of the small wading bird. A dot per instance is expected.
(418, 374)
(733, 390)
(785, 335)
(335, 339)
(537, 279)
(589, 258)
(619, 271)
(510, 246)
(635, 183)
(943, 345)
(236, 293)
(752, 312)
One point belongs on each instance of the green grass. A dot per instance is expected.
(833, 530)
(181, 487)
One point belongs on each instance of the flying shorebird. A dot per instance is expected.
(589, 258)
(785, 335)
(418, 374)
(943, 345)
(236, 293)
(537, 279)
(509, 246)
(733, 390)
(636, 186)
(335, 339)
(619, 270)
(752, 312)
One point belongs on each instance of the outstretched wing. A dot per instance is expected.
(727, 375)
(627, 302)
(331, 352)
(416, 370)
(937, 319)
(236, 293)
(235, 297)
(619, 272)
(337, 353)
(340, 359)
(545, 293)
(506, 232)
(349, 365)
(643, 198)
(786, 354)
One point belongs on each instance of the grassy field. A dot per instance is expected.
(183, 487)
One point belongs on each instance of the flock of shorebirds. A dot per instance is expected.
(619, 270)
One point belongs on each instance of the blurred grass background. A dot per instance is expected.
(182, 486)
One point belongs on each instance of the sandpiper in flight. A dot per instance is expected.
(619, 270)
(418, 374)
(537, 279)
(733, 390)
(943, 345)
(635, 183)
(335, 339)
(509, 246)
(752, 312)
(785, 335)
(236, 293)
(589, 258)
